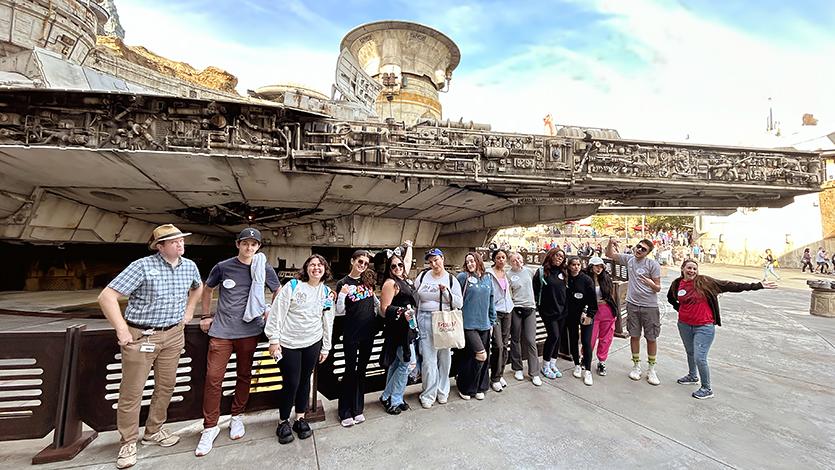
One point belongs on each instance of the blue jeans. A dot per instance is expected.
(697, 341)
(397, 377)
(436, 363)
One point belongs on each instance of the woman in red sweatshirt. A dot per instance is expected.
(695, 297)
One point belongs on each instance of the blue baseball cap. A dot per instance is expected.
(433, 252)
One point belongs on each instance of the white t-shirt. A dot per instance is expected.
(428, 294)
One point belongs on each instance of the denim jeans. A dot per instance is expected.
(436, 363)
(697, 341)
(397, 377)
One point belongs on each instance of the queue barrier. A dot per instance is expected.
(59, 380)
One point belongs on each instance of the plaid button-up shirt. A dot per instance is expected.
(157, 292)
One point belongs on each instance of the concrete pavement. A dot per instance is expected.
(772, 373)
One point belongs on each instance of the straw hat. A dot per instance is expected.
(166, 232)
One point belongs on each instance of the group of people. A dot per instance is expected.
(498, 306)
(822, 261)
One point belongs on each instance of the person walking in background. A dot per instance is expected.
(357, 302)
(580, 307)
(806, 260)
(434, 287)
(641, 304)
(235, 327)
(713, 252)
(163, 290)
(549, 285)
(523, 321)
(299, 330)
(399, 331)
(479, 315)
(769, 263)
(607, 311)
(821, 260)
(695, 298)
(503, 306)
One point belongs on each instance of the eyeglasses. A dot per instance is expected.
(641, 248)
(362, 262)
(397, 265)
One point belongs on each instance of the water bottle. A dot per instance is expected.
(412, 319)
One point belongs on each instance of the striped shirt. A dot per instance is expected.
(157, 292)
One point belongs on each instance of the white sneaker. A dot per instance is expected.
(236, 428)
(503, 382)
(127, 456)
(519, 375)
(496, 386)
(464, 397)
(587, 379)
(537, 381)
(635, 373)
(207, 439)
(652, 377)
(479, 396)
(347, 422)
(578, 371)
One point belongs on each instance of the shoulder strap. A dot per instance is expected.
(293, 284)
(421, 276)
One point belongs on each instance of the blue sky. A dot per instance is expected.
(658, 70)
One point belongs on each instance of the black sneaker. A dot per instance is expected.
(302, 428)
(393, 410)
(601, 368)
(404, 406)
(284, 433)
(386, 402)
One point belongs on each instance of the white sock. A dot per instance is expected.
(554, 363)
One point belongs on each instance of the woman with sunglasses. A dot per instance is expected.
(580, 307)
(399, 330)
(695, 298)
(549, 285)
(359, 305)
(479, 317)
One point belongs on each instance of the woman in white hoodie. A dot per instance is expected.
(299, 329)
(503, 301)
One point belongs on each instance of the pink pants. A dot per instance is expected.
(604, 330)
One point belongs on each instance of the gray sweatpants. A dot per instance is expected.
(523, 336)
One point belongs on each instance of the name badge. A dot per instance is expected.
(578, 295)
(640, 271)
(514, 279)
(154, 272)
(472, 280)
(147, 347)
(560, 276)
(682, 292)
(228, 283)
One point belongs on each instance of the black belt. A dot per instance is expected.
(155, 328)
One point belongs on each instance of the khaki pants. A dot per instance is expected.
(136, 366)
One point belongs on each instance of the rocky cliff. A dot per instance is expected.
(210, 77)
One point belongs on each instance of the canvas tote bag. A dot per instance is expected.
(447, 326)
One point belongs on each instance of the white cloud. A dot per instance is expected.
(195, 38)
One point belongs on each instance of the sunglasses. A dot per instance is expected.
(397, 265)
(641, 248)
(362, 262)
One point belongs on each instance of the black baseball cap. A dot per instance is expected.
(250, 233)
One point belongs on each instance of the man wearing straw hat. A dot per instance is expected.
(163, 290)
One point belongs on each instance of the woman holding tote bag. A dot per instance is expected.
(432, 286)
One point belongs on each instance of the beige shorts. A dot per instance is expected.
(647, 319)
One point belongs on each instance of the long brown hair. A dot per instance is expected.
(702, 284)
(479, 264)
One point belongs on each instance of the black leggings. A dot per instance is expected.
(296, 367)
(352, 396)
(553, 327)
(577, 334)
(809, 264)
